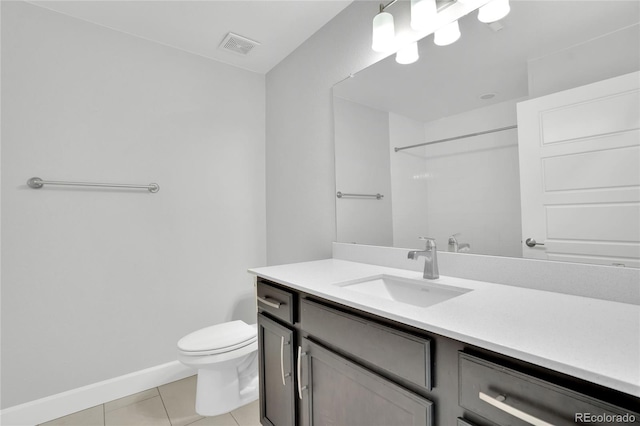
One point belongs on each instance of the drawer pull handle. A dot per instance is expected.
(300, 387)
(264, 300)
(282, 343)
(496, 402)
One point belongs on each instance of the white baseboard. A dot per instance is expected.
(62, 404)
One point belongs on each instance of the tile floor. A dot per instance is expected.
(172, 404)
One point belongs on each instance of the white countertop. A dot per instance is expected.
(592, 339)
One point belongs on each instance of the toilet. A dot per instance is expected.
(226, 357)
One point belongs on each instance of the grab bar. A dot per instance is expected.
(37, 183)
(343, 195)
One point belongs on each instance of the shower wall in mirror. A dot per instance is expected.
(465, 190)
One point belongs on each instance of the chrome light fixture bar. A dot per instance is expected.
(423, 15)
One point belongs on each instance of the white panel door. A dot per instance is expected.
(580, 173)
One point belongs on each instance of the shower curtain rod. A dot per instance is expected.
(37, 183)
(457, 137)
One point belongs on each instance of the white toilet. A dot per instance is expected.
(226, 357)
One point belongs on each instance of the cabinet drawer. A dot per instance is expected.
(383, 348)
(506, 397)
(276, 302)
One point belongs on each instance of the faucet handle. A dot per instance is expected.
(453, 239)
(431, 242)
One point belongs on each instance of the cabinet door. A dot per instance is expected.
(336, 391)
(277, 391)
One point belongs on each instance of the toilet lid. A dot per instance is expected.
(219, 338)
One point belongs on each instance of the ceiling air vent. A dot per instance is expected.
(238, 44)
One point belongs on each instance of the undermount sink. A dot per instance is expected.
(417, 292)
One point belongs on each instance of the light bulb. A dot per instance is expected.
(448, 34)
(422, 13)
(408, 54)
(493, 11)
(383, 33)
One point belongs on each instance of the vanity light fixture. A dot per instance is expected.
(384, 32)
(493, 11)
(422, 13)
(447, 35)
(408, 54)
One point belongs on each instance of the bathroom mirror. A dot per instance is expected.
(464, 191)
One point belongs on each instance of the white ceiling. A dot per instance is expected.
(199, 26)
(448, 80)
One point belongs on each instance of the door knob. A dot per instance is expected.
(530, 242)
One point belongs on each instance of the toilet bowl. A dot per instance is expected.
(226, 357)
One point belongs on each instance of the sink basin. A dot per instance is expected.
(417, 292)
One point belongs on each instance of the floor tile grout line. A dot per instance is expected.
(131, 403)
(234, 419)
(164, 406)
(103, 408)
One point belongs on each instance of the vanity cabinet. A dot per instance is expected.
(507, 397)
(336, 391)
(277, 389)
(340, 368)
(276, 343)
(323, 363)
(375, 346)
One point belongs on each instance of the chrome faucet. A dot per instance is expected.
(455, 246)
(430, 258)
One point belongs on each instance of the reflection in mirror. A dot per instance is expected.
(465, 189)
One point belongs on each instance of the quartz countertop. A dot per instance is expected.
(592, 339)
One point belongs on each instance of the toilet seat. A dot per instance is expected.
(218, 339)
(226, 358)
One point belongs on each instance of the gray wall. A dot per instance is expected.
(300, 153)
(362, 167)
(100, 283)
(300, 177)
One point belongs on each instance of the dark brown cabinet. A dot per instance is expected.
(322, 366)
(397, 353)
(506, 397)
(337, 391)
(276, 361)
(323, 363)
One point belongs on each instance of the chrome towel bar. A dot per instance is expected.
(37, 183)
(345, 195)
